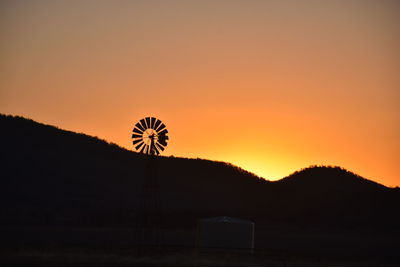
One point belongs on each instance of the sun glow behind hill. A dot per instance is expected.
(272, 146)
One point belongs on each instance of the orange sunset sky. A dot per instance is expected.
(270, 86)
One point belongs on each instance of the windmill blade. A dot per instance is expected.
(162, 139)
(163, 133)
(135, 141)
(136, 130)
(160, 147)
(138, 125)
(137, 136)
(161, 127)
(158, 122)
(156, 150)
(143, 148)
(143, 122)
(152, 122)
(162, 142)
(138, 146)
(148, 122)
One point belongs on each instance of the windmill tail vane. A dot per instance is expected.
(149, 136)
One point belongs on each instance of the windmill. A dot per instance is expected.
(149, 136)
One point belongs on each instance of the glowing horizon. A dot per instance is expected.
(269, 86)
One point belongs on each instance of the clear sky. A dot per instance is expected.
(270, 86)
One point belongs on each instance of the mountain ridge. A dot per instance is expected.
(92, 182)
(98, 140)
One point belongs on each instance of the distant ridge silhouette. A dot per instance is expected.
(56, 177)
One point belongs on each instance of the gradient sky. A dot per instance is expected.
(270, 86)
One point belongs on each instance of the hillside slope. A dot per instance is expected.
(56, 177)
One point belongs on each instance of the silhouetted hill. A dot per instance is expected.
(55, 177)
(332, 178)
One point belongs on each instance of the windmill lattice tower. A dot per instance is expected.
(150, 137)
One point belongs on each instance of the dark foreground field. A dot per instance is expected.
(122, 256)
(118, 247)
(77, 256)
